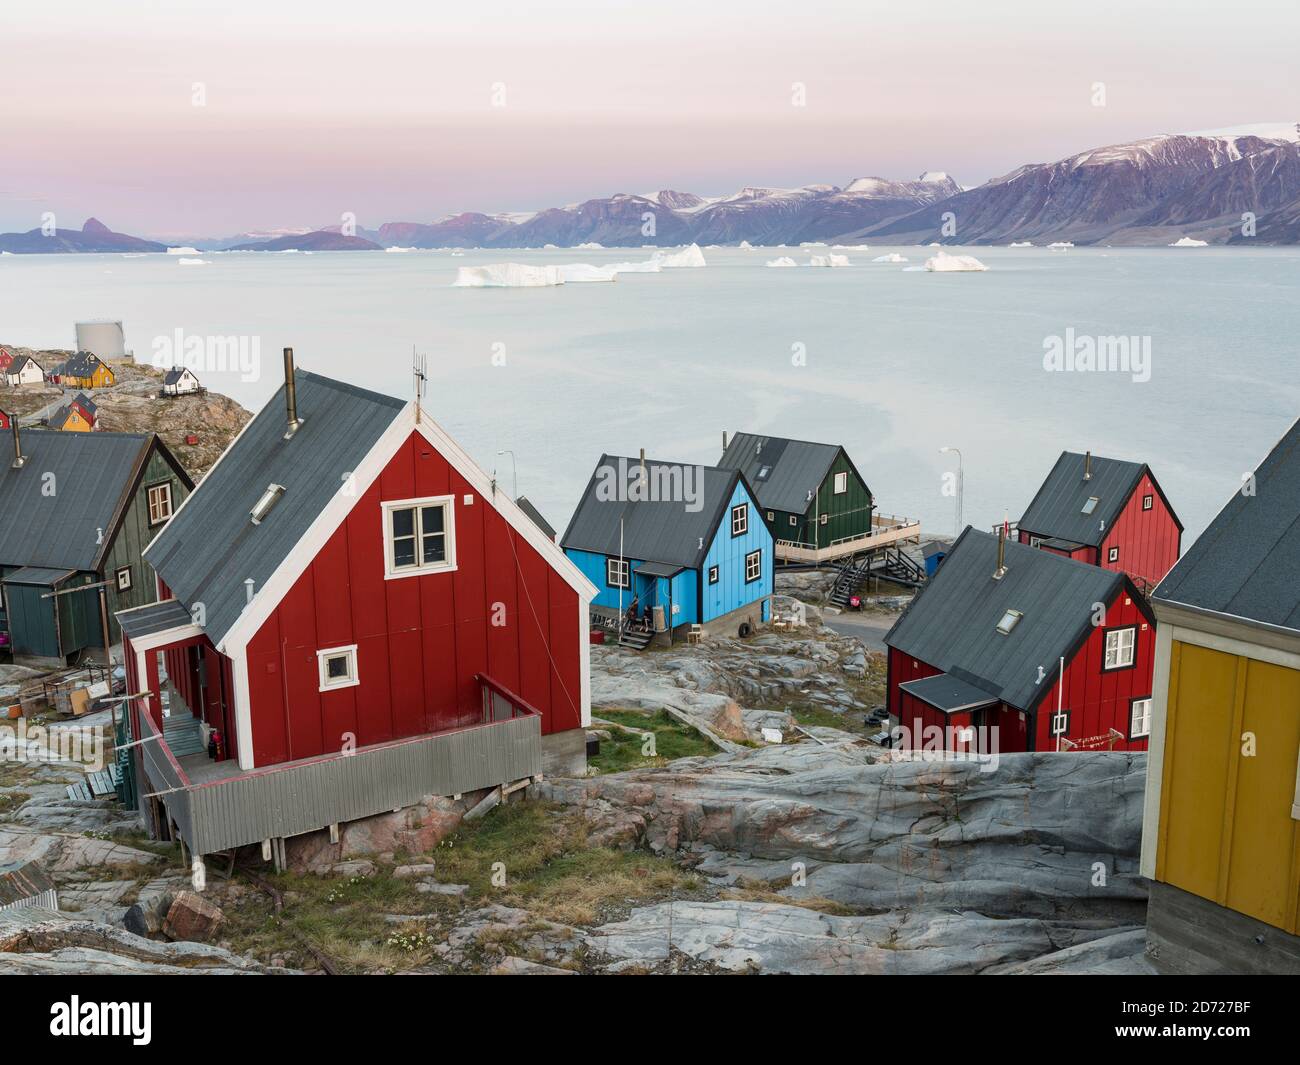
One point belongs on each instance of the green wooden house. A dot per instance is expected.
(76, 513)
(813, 499)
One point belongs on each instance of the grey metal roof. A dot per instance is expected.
(82, 364)
(21, 361)
(91, 475)
(155, 617)
(952, 622)
(1247, 563)
(535, 516)
(85, 402)
(45, 576)
(948, 693)
(795, 468)
(663, 530)
(1057, 509)
(210, 547)
(659, 569)
(174, 375)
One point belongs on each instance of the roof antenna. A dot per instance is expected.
(418, 378)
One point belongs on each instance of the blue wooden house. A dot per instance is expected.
(687, 543)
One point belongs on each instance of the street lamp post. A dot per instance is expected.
(961, 482)
(514, 474)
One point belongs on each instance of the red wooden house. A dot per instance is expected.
(1108, 513)
(6, 360)
(362, 616)
(1052, 653)
(5, 424)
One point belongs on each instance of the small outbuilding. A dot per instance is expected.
(180, 381)
(24, 370)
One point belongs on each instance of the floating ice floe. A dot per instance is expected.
(812, 244)
(892, 257)
(396, 250)
(829, 260)
(1061, 245)
(183, 251)
(590, 245)
(457, 253)
(945, 264)
(507, 275)
(1021, 244)
(851, 247)
(1189, 242)
(744, 245)
(690, 256)
(191, 262)
(784, 260)
(580, 273)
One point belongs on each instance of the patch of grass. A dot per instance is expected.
(11, 800)
(626, 750)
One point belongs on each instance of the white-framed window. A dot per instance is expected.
(1090, 505)
(160, 502)
(763, 472)
(124, 579)
(753, 566)
(713, 574)
(794, 520)
(338, 667)
(841, 483)
(1148, 501)
(419, 535)
(1121, 647)
(1009, 621)
(618, 573)
(1139, 721)
(740, 519)
(824, 519)
(771, 516)
(1112, 555)
(1060, 723)
(1034, 541)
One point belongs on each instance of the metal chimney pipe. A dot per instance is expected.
(1087, 466)
(1001, 571)
(290, 395)
(724, 439)
(19, 459)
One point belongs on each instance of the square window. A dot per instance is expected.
(1139, 719)
(794, 520)
(1090, 505)
(1060, 724)
(763, 472)
(419, 536)
(1009, 621)
(753, 566)
(740, 519)
(337, 667)
(1148, 501)
(713, 574)
(1112, 555)
(160, 503)
(1121, 647)
(124, 579)
(618, 573)
(841, 483)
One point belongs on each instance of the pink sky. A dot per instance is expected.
(385, 109)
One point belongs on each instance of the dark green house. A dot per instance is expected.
(812, 496)
(78, 509)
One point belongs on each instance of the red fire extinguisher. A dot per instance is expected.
(214, 745)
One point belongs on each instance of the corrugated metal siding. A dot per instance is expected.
(312, 796)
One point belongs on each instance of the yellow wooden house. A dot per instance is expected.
(1221, 824)
(71, 419)
(86, 370)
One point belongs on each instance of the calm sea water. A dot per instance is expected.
(896, 364)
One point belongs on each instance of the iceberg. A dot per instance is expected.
(578, 273)
(1189, 242)
(1061, 245)
(183, 251)
(784, 260)
(395, 249)
(829, 260)
(507, 275)
(1021, 244)
(590, 245)
(945, 264)
(690, 256)
(851, 247)
(892, 257)
(744, 245)
(191, 262)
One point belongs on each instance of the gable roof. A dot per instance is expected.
(1057, 508)
(952, 622)
(175, 374)
(82, 364)
(85, 403)
(794, 468)
(662, 530)
(61, 416)
(210, 547)
(93, 475)
(22, 360)
(1247, 563)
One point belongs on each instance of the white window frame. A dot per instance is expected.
(125, 571)
(1009, 620)
(448, 564)
(1112, 554)
(1090, 505)
(755, 557)
(1133, 733)
(713, 575)
(1149, 501)
(1059, 724)
(841, 483)
(794, 519)
(165, 495)
(740, 519)
(621, 566)
(771, 516)
(1119, 647)
(323, 657)
(824, 519)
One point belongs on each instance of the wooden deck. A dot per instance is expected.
(886, 530)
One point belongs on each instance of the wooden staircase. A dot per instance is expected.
(890, 562)
(181, 733)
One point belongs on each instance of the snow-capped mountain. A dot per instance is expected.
(1144, 192)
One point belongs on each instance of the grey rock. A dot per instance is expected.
(354, 867)
(429, 888)
(408, 872)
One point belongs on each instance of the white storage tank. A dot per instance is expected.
(105, 338)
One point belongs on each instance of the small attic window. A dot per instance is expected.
(263, 506)
(1009, 621)
(763, 472)
(1091, 505)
